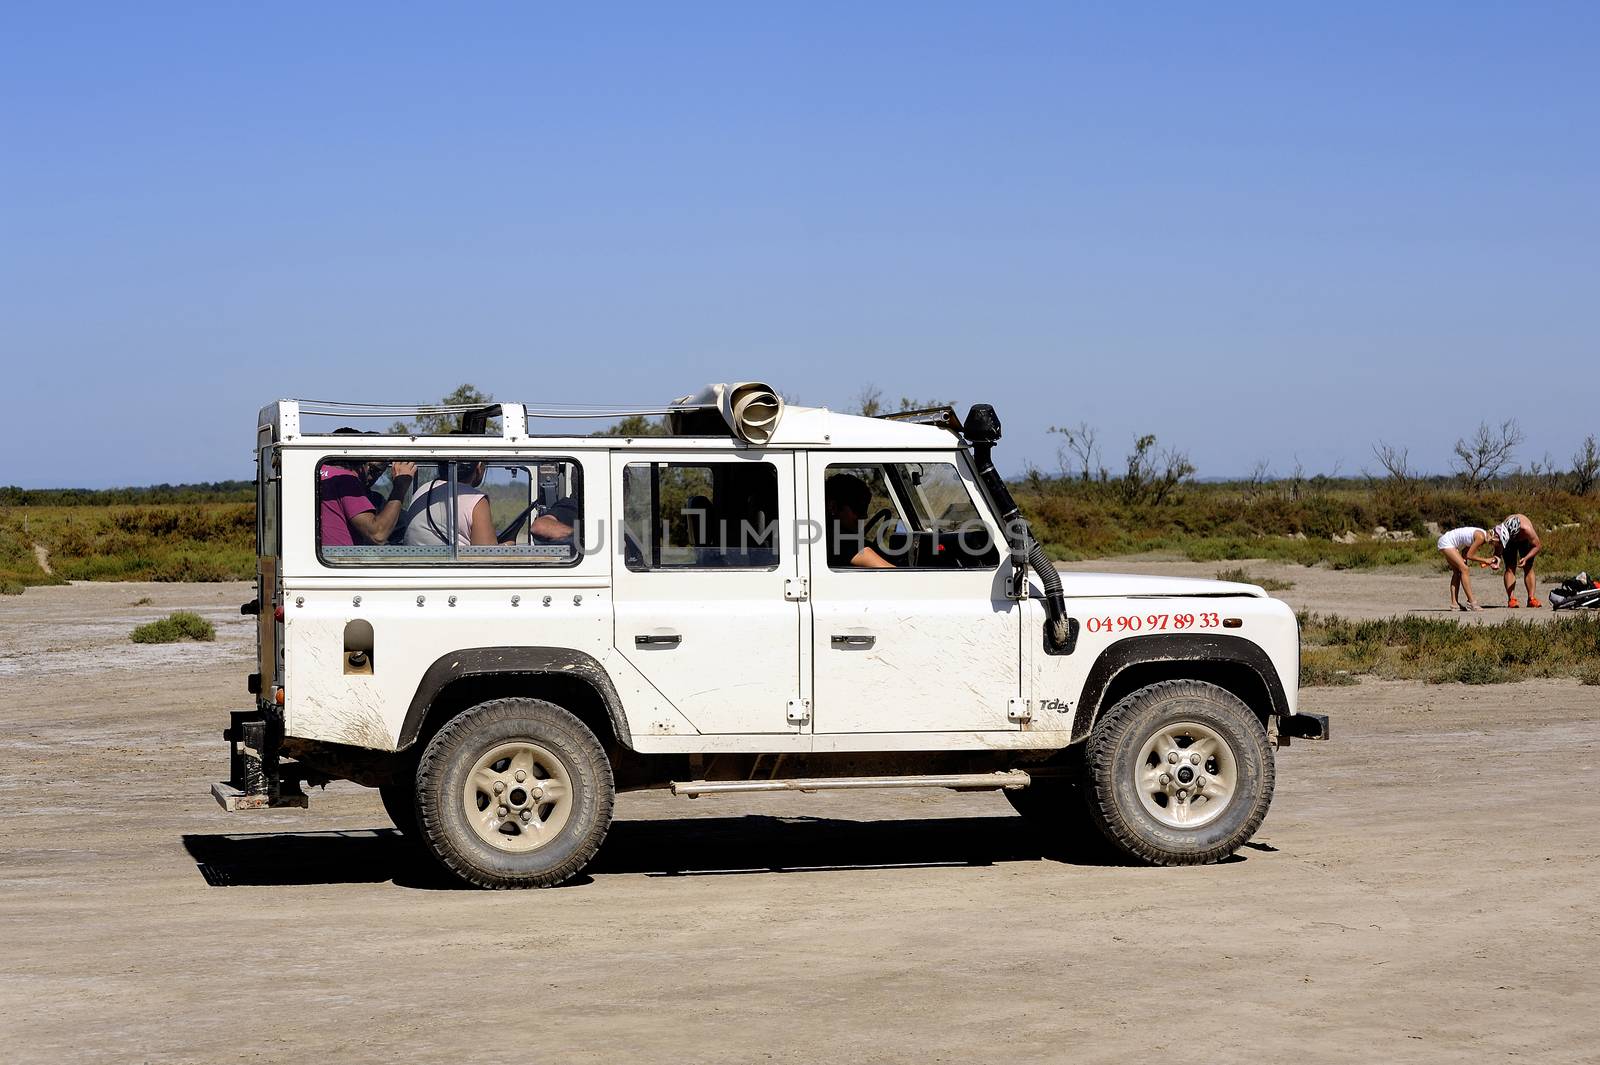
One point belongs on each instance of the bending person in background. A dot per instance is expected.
(428, 516)
(1519, 543)
(1460, 549)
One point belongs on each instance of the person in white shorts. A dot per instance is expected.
(1460, 547)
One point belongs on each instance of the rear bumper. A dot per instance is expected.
(1303, 726)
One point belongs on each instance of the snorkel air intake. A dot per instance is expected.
(982, 430)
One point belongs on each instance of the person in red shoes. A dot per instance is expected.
(1519, 543)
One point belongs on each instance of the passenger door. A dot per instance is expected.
(702, 579)
(932, 644)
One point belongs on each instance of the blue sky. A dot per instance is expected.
(1257, 230)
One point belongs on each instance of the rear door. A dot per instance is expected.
(702, 582)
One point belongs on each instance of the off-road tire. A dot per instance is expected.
(449, 758)
(1114, 767)
(400, 803)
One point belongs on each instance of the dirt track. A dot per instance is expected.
(1423, 890)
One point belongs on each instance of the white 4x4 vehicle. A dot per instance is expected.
(499, 630)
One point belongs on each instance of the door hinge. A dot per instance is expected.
(797, 589)
(1017, 710)
(799, 711)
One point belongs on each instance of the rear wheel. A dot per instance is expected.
(514, 793)
(1180, 773)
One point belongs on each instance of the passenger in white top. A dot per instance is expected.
(1460, 548)
(428, 514)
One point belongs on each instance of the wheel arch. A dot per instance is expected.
(572, 679)
(1233, 663)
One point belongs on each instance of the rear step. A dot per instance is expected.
(233, 799)
(254, 780)
(1009, 780)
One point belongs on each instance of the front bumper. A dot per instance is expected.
(1302, 726)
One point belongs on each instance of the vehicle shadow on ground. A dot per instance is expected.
(689, 846)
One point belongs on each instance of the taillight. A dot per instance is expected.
(277, 613)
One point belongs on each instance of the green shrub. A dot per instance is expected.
(178, 625)
(1239, 575)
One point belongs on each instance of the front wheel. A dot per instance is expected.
(514, 793)
(1180, 773)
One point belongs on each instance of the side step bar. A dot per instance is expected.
(1009, 780)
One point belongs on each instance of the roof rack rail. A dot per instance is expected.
(284, 416)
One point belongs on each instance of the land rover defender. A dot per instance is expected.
(500, 629)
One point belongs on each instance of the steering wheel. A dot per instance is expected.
(511, 531)
(868, 531)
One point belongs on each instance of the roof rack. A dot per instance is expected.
(284, 416)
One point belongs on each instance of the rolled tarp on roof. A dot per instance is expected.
(750, 410)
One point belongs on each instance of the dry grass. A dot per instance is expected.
(1438, 650)
(189, 542)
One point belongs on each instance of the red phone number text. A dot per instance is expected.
(1152, 622)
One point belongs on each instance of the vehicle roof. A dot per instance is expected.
(521, 425)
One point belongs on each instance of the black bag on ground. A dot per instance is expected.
(1576, 593)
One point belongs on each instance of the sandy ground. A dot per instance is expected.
(1423, 890)
(1374, 593)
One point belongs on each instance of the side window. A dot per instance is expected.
(472, 511)
(903, 515)
(713, 515)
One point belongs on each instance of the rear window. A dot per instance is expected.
(406, 511)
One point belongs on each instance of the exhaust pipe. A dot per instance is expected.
(982, 430)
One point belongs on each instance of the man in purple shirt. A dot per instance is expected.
(347, 515)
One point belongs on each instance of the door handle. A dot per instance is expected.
(845, 642)
(658, 641)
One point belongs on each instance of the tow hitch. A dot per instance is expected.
(254, 781)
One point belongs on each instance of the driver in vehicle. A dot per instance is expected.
(848, 499)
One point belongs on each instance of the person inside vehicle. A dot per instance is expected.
(1460, 548)
(1519, 543)
(555, 525)
(349, 512)
(428, 516)
(848, 499)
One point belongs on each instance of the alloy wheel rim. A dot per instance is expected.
(1186, 774)
(518, 796)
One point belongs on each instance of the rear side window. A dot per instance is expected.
(458, 511)
(713, 515)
